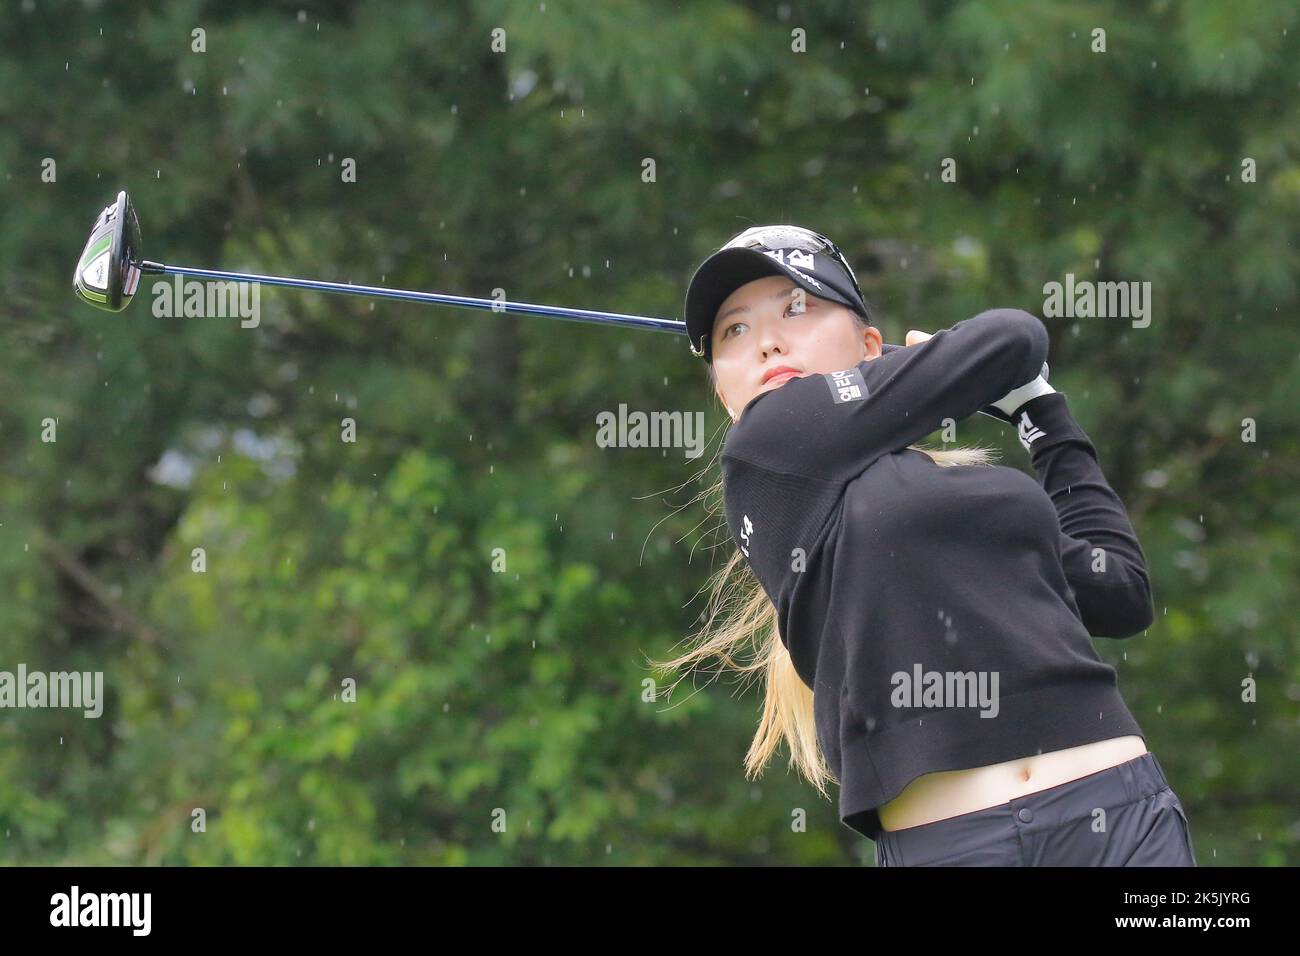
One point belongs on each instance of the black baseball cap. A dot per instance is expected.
(809, 259)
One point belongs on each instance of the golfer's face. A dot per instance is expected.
(772, 323)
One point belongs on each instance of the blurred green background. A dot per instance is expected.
(523, 169)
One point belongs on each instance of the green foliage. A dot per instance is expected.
(485, 693)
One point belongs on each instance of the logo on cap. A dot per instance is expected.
(795, 260)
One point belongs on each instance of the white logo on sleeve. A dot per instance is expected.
(847, 385)
(746, 529)
(1028, 431)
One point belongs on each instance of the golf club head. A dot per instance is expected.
(109, 268)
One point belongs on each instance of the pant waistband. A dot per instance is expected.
(1075, 799)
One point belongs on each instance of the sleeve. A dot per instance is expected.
(832, 425)
(1100, 553)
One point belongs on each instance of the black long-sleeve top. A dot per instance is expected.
(889, 571)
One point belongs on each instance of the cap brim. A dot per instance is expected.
(722, 274)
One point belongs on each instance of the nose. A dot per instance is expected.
(771, 340)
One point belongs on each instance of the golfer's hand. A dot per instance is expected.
(1012, 401)
(1007, 405)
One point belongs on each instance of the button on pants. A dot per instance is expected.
(1126, 815)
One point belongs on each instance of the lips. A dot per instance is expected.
(779, 371)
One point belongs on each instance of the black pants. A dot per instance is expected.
(1126, 815)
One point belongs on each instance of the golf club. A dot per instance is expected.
(110, 267)
(108, 274)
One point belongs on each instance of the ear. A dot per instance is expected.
(722, 398)
(872, 343)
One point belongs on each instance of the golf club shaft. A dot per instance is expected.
(458, 301)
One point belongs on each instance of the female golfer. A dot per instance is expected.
(924, 616)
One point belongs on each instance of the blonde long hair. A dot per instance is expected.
(740, 614)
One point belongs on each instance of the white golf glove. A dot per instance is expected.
(1011, 401)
